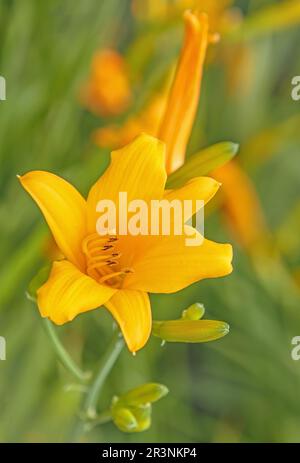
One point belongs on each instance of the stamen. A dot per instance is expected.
(112, 262)
(96, 265)
(95, 238)
(127, 270)
(112, 239)
(122, 273)
(102, 260)
(111, 275)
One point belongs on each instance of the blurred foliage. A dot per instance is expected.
(242, 388)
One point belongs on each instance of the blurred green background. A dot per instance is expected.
(243, 388)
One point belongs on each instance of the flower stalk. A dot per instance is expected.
(106, 364)
(63, 355)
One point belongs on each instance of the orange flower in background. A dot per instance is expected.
(241, 206)
(117, 270)
(107, 92)
(148, 120)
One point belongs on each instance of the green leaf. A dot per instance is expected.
(203, 163)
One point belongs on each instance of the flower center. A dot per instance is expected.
(102, 259)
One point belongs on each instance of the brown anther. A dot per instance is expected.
(106, 247)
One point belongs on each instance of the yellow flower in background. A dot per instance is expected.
(119, 270)
(107, 91)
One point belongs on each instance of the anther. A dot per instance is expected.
(111, 262)
(106, 247)
(127, 270)
(111, 239)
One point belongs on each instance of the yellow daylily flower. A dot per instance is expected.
(107, 92)
(118, 271)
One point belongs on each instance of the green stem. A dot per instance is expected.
(106, 364)
(63, 355)
(102, 418)
(89, 417)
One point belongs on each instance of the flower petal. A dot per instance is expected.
(137, 169)
(132, 311)
(168, 264)
(68, 292)
(199, 188)
(64, 210)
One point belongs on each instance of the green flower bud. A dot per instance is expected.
(147, 393)
(131, 412)
(131, 419)
(193, 312)
(202, 163)
(142, 415)
(190, 330)
(124, 419)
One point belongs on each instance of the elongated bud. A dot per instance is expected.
(177, 122)
(147, 393)
(203, 163)
(190, 330)
(193, 312)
